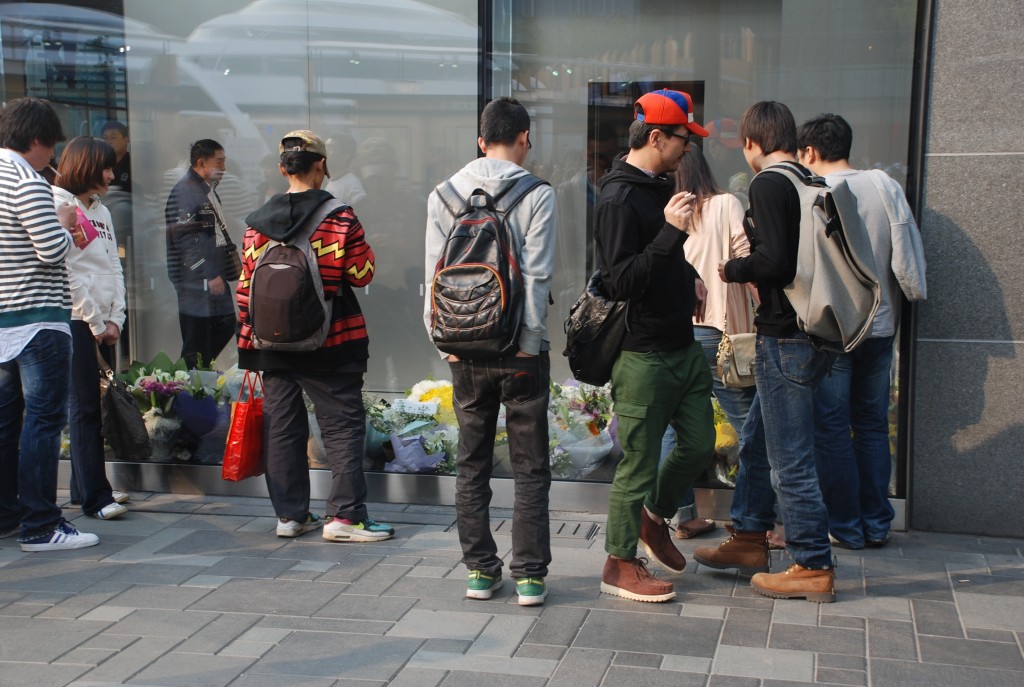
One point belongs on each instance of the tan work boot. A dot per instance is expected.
(745, 551)
(658, 544)
(798, 582)
(631, 580)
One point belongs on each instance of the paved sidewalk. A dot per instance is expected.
(197, 591)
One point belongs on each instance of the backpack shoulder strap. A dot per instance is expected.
(453, 202)
(511, 196)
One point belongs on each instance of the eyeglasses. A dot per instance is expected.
(685, 137)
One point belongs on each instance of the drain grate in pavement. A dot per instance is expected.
(565, 529)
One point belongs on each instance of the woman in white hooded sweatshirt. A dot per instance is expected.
(97, 316)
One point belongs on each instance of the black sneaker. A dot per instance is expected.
(878, 543)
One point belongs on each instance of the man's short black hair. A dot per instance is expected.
(503, 120)
(770, 125)
(26, 120)
(115, 125)
(204, 149)
(640, 132)
(829, 134)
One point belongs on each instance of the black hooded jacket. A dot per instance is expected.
(641, 259)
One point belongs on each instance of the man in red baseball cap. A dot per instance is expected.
(661, 376)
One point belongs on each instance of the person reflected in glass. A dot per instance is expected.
(195, 260)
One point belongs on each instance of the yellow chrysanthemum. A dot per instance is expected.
(725, 436)
(442, 395)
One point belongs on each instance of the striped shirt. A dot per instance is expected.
(33, 246)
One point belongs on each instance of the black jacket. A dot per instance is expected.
(193, 256)
(773, 228)
(641, 259)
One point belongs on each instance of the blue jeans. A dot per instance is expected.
(854, 473)
(480, 387)
(33, 411)
(777, 450)
(735, 404)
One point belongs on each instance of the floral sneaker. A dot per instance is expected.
(480, 585)
(532, 591)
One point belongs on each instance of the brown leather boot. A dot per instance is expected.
(658, 544)
(745, 551)
(798, 582)
(631, 580)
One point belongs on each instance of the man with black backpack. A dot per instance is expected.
(490, 250)
(778, 436)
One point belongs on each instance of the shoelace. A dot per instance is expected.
(641, 568)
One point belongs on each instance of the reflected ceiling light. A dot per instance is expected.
(554, 72)
(226, 72)
(568, 71)
(353, 61)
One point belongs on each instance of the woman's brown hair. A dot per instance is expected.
(82, 164)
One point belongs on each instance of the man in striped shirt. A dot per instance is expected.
(35, 334)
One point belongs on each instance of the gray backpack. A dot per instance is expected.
(835, 292)
(287, 308)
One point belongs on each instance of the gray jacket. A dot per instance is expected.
(895, 242)
(533, 230)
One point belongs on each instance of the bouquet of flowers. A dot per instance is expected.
(578, 418)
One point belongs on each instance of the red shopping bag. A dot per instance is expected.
(243, 455)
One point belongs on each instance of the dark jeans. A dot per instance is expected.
(89, 485)
(342, 419)
(33, 410)
(777, 450)
(203, 338)
(480, 387)
(854, 471)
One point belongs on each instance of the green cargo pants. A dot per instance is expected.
(651, 391)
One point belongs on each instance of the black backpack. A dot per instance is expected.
(477, 294)
(287, 308)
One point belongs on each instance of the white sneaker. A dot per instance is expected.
(293, 528)
(120, 496)
(336, 530)
(65, 536)
(109, 511)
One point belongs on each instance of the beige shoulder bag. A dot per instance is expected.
(736, 352)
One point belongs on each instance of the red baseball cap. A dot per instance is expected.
(726, 132)
(671, 108)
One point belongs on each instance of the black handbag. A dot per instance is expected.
(123, 426)
(594, 332)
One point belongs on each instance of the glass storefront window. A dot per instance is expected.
(580, 65)
(395, 88)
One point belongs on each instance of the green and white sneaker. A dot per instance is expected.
(339, 529)
(480, 585)
(293, 528)
(532, 591)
